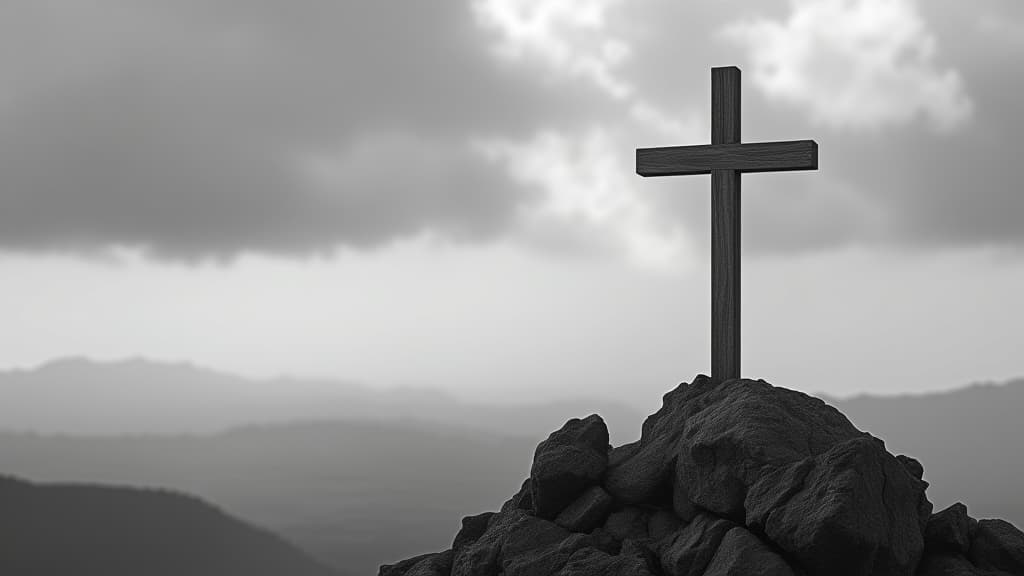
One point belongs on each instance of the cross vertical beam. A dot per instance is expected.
(725, 229)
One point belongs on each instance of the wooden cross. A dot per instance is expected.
(725, 159)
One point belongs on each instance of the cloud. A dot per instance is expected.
(565, 35)
(589, 196)
(205, 128)
(396, 183)
(1010, 31)
(855, 64)
(573, 40)
(212, 128)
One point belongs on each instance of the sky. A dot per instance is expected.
(443, 194)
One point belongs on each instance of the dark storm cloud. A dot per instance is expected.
(210, 128)
(965, 188)
(190, 133)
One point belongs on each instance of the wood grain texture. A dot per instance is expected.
(754, 157)
(725, 227)
(725, 274)
(725, 105)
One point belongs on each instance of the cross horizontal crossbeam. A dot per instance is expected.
(702, 159)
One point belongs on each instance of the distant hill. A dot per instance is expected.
(81, 397)
(354, 494)
(89, 530)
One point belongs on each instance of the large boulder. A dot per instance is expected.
(786, 465)
(998, 545)
(569, 461)
(853, 514)
(727, 478)
(950, 530)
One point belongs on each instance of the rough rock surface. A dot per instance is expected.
(569, 461)
(691, 549)
(742, 554)
(997, 545)
(728, 478)
(586, 512)
(950, 530)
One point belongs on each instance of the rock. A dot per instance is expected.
(949, 530)
(644, 472)
(605, 542)
(569, 461)
(946, 564)
(742, 554)
(516, 543)
(998, 545)
(857, 514)
(620, 454)
(630, 522)
(434, 565)
(530, 535)
(481, 557)
(641, 478)
(661, 524)
(592, 562)
(924, 507)
(473, 527)
(912, 465)
(778, 485)
(401, 568)
(533, 558)
(587, 512)
(641, 549)
(523, 500)
(692, 547)
(740, 426)
(791, 467)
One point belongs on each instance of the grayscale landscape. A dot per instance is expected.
(511, 287)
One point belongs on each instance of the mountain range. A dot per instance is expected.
(371, 476)
(80, 397)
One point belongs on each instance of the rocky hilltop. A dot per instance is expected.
(731, 478)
